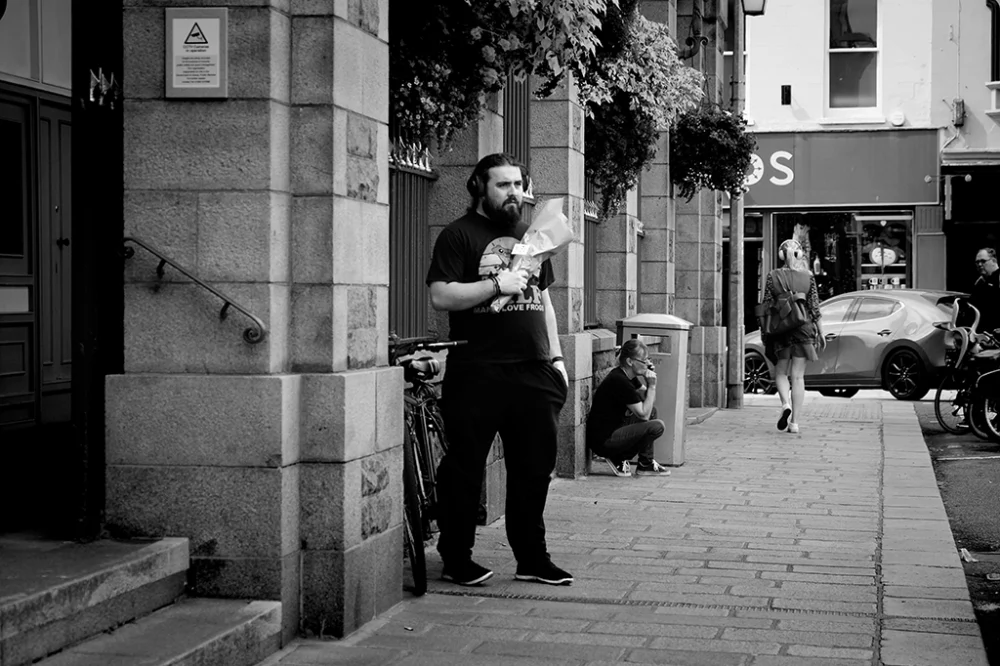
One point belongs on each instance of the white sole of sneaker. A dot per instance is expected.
(468, 583)
(547, 581)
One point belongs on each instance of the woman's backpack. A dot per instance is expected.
(786, 311)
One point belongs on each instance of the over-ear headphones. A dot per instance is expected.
(475, 186)
(795, 247)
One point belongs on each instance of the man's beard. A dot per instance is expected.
(504, 214)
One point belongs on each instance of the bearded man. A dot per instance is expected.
(509, 378)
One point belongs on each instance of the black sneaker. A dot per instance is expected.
(622, 468)
(653, 468)
(544, 572)
(466, 573)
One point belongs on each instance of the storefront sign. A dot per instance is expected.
(196, 59)
(839, 168)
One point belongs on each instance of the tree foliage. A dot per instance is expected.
(636, 88)
(446, 56)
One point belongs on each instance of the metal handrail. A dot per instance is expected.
(253, 334)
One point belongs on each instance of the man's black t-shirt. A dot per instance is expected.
(473, 248)
(611, 401)
(985, 297)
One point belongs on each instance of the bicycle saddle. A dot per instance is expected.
(421, 369)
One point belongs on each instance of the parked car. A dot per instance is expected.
(879, 339)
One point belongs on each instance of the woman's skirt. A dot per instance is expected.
(800, 343)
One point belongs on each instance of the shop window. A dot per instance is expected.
(847, 251)
(853, 69)
(875, 308)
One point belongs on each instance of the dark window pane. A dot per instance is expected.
(853, 23)
(853, 80)
(13, 214)
(873, 308)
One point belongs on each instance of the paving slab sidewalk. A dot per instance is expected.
(826, 548)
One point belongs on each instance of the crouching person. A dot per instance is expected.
(622, 421)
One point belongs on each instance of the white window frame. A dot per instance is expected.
(860, 114)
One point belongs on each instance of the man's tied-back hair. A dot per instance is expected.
(476, 185)
(629, 349)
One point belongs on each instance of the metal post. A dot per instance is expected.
(734, 397)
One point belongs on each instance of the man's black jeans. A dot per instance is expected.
(521, 402)
(633, 437)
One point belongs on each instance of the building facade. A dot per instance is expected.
(848, 102)
(198, 278)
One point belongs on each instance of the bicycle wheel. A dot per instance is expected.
(992, 419)
(413, 540)
(977, 418)
(950, 410)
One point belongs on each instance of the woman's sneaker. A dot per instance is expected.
(622, 468)
(793, 428)
(653, 468)
(786, 413)
(543, 572)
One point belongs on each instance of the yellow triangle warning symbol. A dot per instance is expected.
(196, 36)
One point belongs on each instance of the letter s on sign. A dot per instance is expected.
(783, 168)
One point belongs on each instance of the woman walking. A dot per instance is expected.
(792, 349)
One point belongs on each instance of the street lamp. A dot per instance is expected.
(734, 381)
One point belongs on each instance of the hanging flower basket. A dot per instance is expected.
(710, 148)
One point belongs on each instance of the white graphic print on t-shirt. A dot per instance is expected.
(498, 255)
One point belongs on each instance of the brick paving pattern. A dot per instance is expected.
(827, 548)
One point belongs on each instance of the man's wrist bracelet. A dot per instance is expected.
(496, 285)
(556, 359)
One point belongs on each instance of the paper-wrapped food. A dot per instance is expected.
(548, 234)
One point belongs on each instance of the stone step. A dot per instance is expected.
(56, 593)
(191, 632)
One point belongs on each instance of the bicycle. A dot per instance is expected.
(424, 444)
(966, 352)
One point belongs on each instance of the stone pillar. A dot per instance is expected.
(658, 213)
(698, 249)
(202, 428)
(616, 264)
(558, 171)
(351, 426)
(448, 201)
(699, 295)
(281, 461)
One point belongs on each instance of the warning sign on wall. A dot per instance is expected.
(196, 53)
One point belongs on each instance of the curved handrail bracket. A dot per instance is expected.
(254, 334)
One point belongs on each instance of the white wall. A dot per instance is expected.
(788, 46)
(962, 69)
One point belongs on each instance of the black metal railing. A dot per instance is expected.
(517, 120)
(590, 273)
(409, 249)
(253, 334)
(590, 208)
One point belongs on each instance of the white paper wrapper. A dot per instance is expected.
(548, 234)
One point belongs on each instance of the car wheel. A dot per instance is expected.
(756, 378)
(838, 392)
(904, 375)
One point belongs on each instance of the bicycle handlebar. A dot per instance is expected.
(403, 346)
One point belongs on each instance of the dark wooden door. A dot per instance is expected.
(55, 209)
(18, 310)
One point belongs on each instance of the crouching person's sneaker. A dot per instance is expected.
(652, 468)
(543, 572)
(466, 573)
